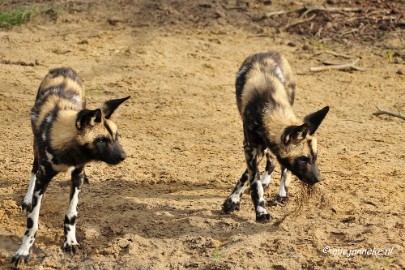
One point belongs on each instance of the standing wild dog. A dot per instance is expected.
(265, 94)
(66, 137)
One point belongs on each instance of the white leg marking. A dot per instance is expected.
(28, 197)
(29, 235)
(72, 212)
(260, 192)
(240, 188)
(261, 210)
(235, 198)
(266, 179)
(283, 183)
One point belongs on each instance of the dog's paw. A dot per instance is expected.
(70, 248)
(281, 200)
(19, 258)
(26, 206)
(263, 218)
(229, 206)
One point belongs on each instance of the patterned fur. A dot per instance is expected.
(265, 92)
(66, 137)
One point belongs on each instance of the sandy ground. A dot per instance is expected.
(161, 208)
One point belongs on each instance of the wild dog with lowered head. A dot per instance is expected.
(66, 137)
(265, 92)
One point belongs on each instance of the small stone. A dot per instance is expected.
(123, 243)
(114, 21)
(400, 72)
(205, 5)
(291, 44)
(397, 60)
(213, 243)
(84, 41)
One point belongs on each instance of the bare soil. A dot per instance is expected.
(161, 208)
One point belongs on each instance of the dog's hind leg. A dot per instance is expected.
(78, 178)
(270, 161)
(232, 203)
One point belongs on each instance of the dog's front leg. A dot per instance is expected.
(78, 178)
(27, 201)
(282, 196)
(42, 179)
(256, 187)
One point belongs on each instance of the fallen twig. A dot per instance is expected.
(338, 54)
(19, 63)
(351, 31)
(299, 21)
(305, 10)
(330, 9)
(282, 12)
(333, 53)
(380, 112)
(329, 63)
(351, 65)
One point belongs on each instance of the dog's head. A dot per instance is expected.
(98, 134)
(299, 148)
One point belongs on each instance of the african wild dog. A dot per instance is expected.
(265, 94)
(66, 137)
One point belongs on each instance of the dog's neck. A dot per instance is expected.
(275, 120)
(64, 132)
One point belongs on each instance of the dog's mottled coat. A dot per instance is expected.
(265, 92)
(66, 137)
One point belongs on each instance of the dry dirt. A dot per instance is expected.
(161, 208)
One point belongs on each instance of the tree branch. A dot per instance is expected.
(305, 10)
(381, 112)
(299, 21)
(351, 65)
(19, 63)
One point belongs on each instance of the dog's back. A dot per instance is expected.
(265, 75)
(264, 82)
(61, 89)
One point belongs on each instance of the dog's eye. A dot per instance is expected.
(304, 159)
(101, 140)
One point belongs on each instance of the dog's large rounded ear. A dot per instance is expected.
(110, 106)
(88, 118)
(294, 134)
(315, 119)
